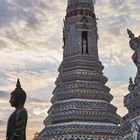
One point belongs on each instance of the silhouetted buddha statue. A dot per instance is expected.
(16, 126)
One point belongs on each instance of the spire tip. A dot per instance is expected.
(18, 84)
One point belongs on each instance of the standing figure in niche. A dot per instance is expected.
(84, 42)
(16, 126)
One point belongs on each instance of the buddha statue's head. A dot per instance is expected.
(18, 96)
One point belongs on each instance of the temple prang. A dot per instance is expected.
(81, 108)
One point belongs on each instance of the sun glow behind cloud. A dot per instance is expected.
(31, 49)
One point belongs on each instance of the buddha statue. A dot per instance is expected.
(16, 126)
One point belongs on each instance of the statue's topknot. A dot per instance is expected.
(19, 93)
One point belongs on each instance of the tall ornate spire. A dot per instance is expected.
(79, 28)
(81, 106)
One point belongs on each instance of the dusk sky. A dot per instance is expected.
(31, 49)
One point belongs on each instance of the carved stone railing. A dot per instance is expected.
(77, 128)
(82, 94)
(77, 104)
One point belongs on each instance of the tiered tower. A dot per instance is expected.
(131, 122)
(81, 108)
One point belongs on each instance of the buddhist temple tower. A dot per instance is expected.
(81, 108)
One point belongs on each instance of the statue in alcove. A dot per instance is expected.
(84, 42)
(16, 126)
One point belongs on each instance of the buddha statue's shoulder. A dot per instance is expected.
(22, 111)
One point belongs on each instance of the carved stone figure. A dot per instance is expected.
(131, 85)
(16, 126)
(135, 46)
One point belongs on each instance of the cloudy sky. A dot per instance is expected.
(31, 49)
